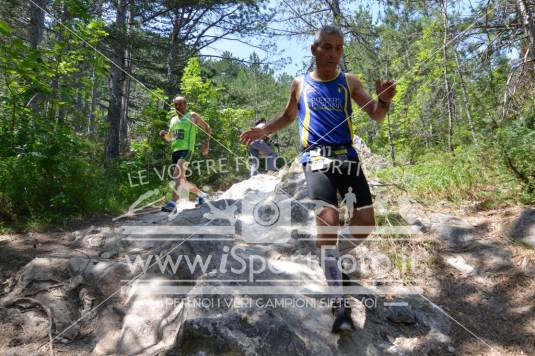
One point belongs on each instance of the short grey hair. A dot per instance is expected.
(324, 31)
(178, 98)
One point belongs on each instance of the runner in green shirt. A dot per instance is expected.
(182, 134)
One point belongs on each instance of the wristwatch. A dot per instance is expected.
(384, 102)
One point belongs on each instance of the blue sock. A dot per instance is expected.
(333, 274)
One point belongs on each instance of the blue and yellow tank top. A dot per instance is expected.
(324, 114)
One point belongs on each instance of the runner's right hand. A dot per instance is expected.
(166, 136)
(205, 148)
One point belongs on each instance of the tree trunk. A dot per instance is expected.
(35, 35)
(391, 140)
(37, 23)
(466, 103)
(62, 110)
(55, 112)
(116, 87)
(124, 137)
(92, 113)
(449, 94)
(172, 74)
(424, 130)
(389, 124)
(528, 23)
(92, 118)
(337, 15)
(79, 101)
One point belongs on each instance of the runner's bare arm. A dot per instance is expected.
(197, 120)
(283, 120)
(376, 110)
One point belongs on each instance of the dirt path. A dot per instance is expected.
(479, 276)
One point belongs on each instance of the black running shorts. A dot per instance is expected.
(326, 183)
(183, 155)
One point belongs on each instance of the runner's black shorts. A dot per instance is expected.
(183, 155)
(326, 183)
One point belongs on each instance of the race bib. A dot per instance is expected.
(318, 161)
(178, 134)
(322, 158)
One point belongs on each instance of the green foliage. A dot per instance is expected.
(53, 176)
(254, 88)
(4, 28)
(200, 93)
(226, 124)
(516, 147)
(409, 49)
(441, 175)
(468, 174)
(47, 171)
(147, 145)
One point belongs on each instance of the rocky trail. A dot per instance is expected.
(461, 283)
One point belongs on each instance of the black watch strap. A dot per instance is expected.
(384, 102)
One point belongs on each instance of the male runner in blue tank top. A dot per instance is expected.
(322, 102)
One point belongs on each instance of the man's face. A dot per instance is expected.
(181, 106)
(329, 52)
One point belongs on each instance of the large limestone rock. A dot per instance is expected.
(160, 306)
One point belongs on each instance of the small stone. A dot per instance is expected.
(106, 230)
(78, 265)
(95, 240)
(15, 342)
(400, 315)
(109, 254)
(522, 310)
(451, 349)
(76, 281)
(77, 235)
(459, 263)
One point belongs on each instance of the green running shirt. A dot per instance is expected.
(184, 133)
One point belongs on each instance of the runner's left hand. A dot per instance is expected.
(252, 134)
(385, 90)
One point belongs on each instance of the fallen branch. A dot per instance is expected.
(388, 185)
(45, 289)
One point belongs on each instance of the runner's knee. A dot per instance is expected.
(326, 217)
(365, 220)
